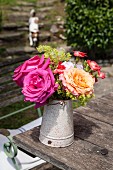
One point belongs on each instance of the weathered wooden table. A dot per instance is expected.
(93, 144)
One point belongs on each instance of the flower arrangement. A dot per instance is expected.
(53, 76)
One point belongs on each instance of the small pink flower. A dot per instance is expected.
(93, 65)
(101, 74)
(79, 54)
(28, 66)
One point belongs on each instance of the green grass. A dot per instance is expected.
(34, 1)
(18, 119)
(7, 2)
(14, 2)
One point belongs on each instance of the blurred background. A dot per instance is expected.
(71, 24)
(14, 17)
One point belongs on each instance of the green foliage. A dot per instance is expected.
(54, 54)
(82, 100)
(89, 24)
(13, 2)
(7, 2)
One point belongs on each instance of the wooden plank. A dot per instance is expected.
(5, 79)
(94, 131)
(7, 87)
(99, 108)
(81, 155)
(100, 102)
(10, 94)
(6, 70)
(109, 96)
(104, 117)
(14, 61)
(106, 101)
(11, 101)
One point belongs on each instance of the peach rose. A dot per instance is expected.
(77, 81)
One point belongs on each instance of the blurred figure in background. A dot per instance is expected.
(33, 29)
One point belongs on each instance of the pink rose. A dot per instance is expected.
(93, 65)
(29, 65)
(39, 85)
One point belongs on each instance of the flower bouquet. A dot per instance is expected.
(53, 81)
(53, 76)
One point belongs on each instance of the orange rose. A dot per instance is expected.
(77, 81)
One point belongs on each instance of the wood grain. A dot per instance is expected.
(93, 143)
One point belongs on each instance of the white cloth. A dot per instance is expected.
(33, 24)
(25, 161)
